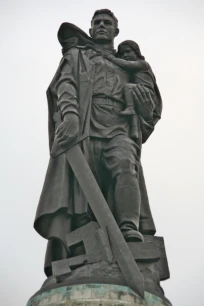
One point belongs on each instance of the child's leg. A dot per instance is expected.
(129, 102)
(134, 127)
(130, 110)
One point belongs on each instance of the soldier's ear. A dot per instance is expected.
(117, 32)
(90, 32)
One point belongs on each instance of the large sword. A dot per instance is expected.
(104, 215)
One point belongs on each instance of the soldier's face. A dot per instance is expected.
(103, 29)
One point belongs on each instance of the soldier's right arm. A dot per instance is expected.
(66, 88)
(67, 102)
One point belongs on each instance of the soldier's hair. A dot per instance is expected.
(133, 45)
(108, 12)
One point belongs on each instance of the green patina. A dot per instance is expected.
(94, 295)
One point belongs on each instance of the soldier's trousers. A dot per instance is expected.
(114, 163)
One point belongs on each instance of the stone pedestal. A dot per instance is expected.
(94, 295)
(94, 277)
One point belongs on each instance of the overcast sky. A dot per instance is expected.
(171, 36)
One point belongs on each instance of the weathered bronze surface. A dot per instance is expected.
(94, 209)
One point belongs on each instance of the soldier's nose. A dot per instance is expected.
(101, 24)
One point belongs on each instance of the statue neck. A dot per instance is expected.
(105, 47)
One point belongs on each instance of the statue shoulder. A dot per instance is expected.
(73, 52)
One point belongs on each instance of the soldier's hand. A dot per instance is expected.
(68, 130)
(144, 101)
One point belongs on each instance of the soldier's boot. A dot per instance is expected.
(127, 206)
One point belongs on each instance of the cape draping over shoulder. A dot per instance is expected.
(69, 36)
(148, 127)
(61, 190)
(69, 33)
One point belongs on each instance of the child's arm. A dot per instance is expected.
(130, 66)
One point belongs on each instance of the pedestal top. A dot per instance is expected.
(95, 295)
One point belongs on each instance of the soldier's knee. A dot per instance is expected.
(124, 166)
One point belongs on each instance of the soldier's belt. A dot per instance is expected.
(106, 101)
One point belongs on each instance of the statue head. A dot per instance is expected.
(104, 27)
(129, 50)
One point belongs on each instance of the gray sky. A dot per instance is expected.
(171, 36)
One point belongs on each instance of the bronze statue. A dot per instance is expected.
(107, 104)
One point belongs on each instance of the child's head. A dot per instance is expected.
(130, 51)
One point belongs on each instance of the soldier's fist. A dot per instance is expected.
(68, 130)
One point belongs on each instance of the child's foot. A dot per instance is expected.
(128, 111)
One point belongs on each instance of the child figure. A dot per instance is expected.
(129, 58)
